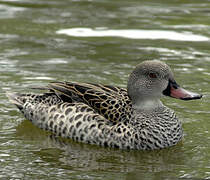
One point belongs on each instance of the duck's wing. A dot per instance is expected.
(111, 102)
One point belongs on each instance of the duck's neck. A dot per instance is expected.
(147, 104)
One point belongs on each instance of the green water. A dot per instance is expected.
(32, 52)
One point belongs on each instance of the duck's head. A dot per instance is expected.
(152, 79)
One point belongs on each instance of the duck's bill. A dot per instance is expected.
(183, 94)
(173, 90)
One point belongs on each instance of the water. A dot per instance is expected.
(101, 42)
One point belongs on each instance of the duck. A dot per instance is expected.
(110, 116)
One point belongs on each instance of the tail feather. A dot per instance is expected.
(15, 99)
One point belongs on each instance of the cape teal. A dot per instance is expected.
(132, 118)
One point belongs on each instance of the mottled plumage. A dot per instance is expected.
(110, 116)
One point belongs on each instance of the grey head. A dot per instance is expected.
(152, 79)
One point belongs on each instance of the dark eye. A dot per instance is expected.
(152, 75)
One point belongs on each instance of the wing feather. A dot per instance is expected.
(111, 102)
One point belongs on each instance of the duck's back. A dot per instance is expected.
(111, 102)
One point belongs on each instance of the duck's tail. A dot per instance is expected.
(16, 99)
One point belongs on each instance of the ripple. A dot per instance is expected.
(133, 34)
(8, 36)
(167, 51)
(55, 61)
(190, 54)
(9, 11)
(38, 78)
(189, 26)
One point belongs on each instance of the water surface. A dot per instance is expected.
(101, 42)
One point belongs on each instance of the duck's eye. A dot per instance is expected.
(152, 75)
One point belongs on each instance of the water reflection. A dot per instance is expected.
(89, 158)
(133, 34)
